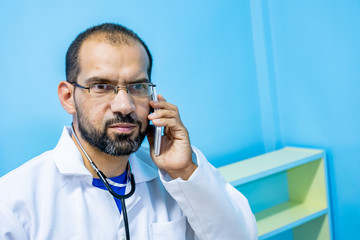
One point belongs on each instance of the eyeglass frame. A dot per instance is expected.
(117, 87)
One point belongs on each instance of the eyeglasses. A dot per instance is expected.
(135, 89)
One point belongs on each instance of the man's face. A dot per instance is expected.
(113, 124)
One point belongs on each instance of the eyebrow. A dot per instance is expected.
(93, 80)
(141, 80)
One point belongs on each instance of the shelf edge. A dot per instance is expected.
(275, 170)
(293, 224)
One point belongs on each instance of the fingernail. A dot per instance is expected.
(153, 115)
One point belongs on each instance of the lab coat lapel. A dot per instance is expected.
(69, 161)
(68, 158)
(144, 170)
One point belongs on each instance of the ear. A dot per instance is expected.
(65, 93)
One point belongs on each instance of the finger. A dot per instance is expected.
(163, 114)
(171, 124)
(161, 98)
(167, 131)
(163, 105)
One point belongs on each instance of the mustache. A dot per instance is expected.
(120, 118)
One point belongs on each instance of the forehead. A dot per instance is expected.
(117, 62)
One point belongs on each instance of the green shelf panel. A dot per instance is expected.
(305, 208)
(307, 183)
(267, 164)
(286, 216)
(316, 229)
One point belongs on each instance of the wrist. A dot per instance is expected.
(184, 173)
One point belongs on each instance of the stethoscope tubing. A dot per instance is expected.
(108, 187)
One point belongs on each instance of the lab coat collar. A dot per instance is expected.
(69, 161)
(68, 158)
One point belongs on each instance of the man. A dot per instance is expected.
(178, 194)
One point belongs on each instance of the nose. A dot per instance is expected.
(122, 103)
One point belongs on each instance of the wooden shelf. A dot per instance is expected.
(287, 190)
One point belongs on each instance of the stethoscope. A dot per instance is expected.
(107, 185)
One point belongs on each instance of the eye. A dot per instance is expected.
(102, 88)
(139, 89)
(139, 86)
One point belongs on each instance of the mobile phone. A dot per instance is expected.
(158, 130)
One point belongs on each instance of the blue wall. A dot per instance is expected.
(203, 62)
(314, 54)
(248, 77)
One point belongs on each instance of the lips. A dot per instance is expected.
(123, 128)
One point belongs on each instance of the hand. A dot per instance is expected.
(175, 150)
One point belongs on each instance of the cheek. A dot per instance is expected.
(95, 112)
(142, 112)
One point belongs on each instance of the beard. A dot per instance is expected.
(121, 144)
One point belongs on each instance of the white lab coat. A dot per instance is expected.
(52, 197)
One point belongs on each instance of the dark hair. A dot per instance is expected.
(112, 33)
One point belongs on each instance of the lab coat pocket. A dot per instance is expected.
(174, 230)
